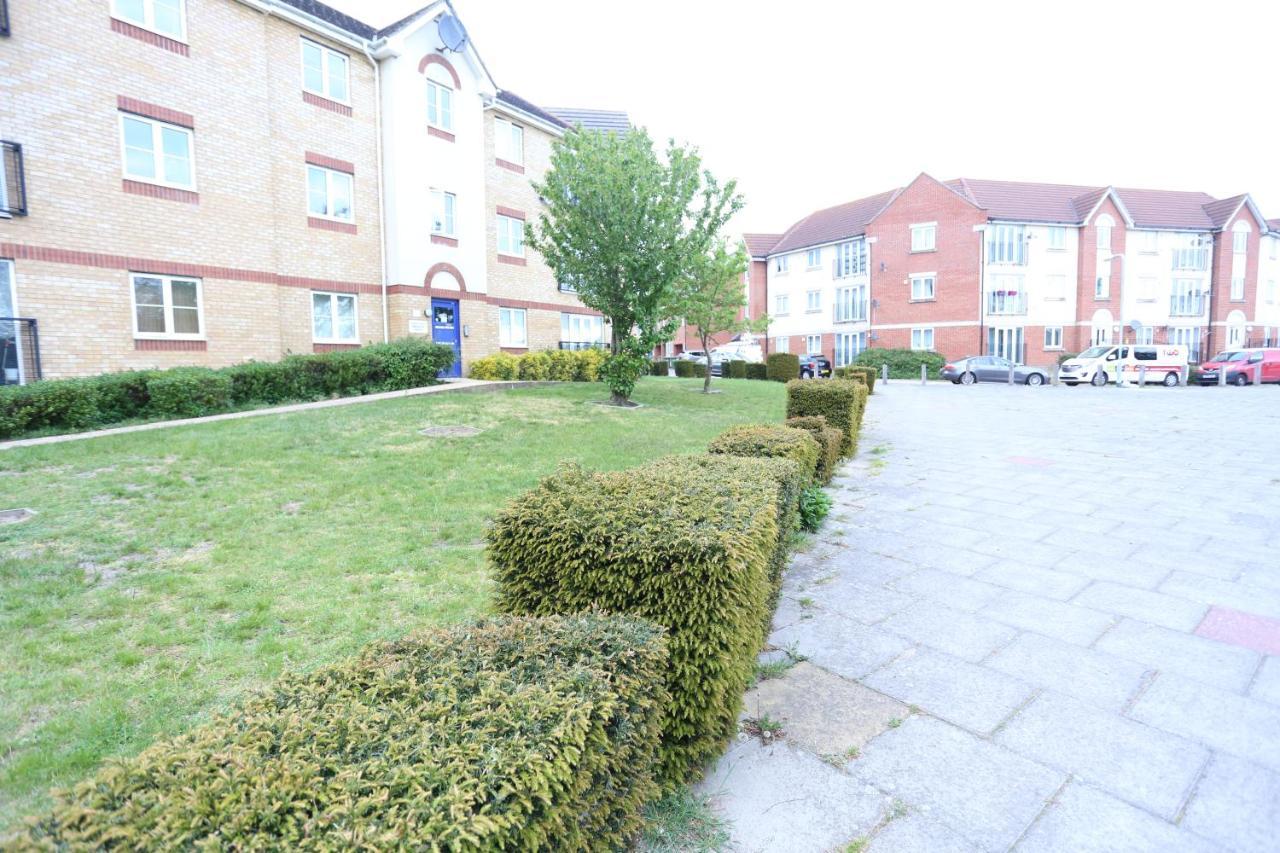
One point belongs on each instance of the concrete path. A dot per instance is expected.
(1038, 619)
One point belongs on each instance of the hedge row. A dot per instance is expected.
(903, 363)
(866, 375)
(506, 734)
(782, 366)
(691, 369)
(659, 367)
(840, 401)
(556, 365)
(829, 441)
(737, 369)
(66, 405)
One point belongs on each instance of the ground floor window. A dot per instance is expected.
(813, 344)
(581, 329)
(848, 345)
(922, 339)
(1053, 337)
(166, 307)
(1010, 344)
(1145, 335)
(782, 344)
(333, 318)
(511, 327)
(1189, 337)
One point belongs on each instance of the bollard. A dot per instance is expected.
(1222, 375)
(924, 374)
(1142, 376)
(1011, 373)
(1053, 373)
(884, 373)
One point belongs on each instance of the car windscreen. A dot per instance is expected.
(1094, 352)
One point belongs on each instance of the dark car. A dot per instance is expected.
(992, 368)
(815, 365)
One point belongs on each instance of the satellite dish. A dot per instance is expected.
(1136, 325)
(452, 33)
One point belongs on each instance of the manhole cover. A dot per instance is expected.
(15, 516)
(449, 432)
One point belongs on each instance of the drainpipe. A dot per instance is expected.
(382, 213)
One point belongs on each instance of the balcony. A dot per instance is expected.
(851, 313)
(1006, 303)
(1187, 305)
(581, 345)
(19, 351)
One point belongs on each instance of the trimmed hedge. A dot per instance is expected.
(903, 363)
(555, 365)
(840, 401)
(757, 370)
(67, 405)
(686, 546)
(505, 734)
(769, 440)
(829, 441)
(866, 375)
(782, 366)
(659, 367)
(737, 369)
(499, 367)
(684, 369)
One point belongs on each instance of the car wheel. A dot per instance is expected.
(1035, 379)
(1170, 380)
(804, 374)
(1071, 384)
(1240, 380)
(967, 378)
(1099, 379)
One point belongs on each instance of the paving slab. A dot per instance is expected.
(1036, 580)
(841, 645)
(1266, 686)
(855, 600)
(1224, 721)
(1237, 804)
(1144, 605)
(1135, 572)
(1220, 664)
(954, 590)
(1240, 628)
(949, 630)
(971, 696)
(1233, 594)
(1068, 622)
(916, 833)
(1085, 819)
(1097, 678)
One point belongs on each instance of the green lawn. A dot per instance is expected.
(167, 572)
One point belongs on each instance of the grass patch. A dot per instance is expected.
(682, 822)
(167, 572)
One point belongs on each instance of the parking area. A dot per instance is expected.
(1038, 619)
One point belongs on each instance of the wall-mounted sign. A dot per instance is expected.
(418, 327)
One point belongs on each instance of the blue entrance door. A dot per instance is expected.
(445, 330)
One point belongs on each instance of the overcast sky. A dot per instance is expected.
(809, 104)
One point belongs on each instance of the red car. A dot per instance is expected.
(1242, 365)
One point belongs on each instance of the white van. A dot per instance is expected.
(1098, 365)
(738, 351)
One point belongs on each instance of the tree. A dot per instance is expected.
(622, 225)
(711, 298)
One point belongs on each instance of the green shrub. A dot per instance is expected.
(497, 367)
(769, 440)
(534, 367)
(865, 375)
(505, 734)
(681, 546)
(410, 362)
(814, 506)
(188, 392)
(757, 371)
(737, 369)
(829, 441)
(590, 362)
(782, 366)
(903, 363)
(840, 401)
(122, 396)
(660, 367)
(562, 365)
(49, 405)
(686, 369)
(268, 381)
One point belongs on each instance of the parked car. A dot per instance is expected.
(739, 351)
(1241, 366)
(815, 365)
(693, 355)
(1101, 364)
(992, 368)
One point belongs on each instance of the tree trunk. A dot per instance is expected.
(706, 383)
(616, 337)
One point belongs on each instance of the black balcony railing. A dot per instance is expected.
(19, 351)
(578, 345)
(1006, 303)
(1186, 305)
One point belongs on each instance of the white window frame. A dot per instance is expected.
(924, 237)
(1102, 286)
(444, 93)
(814, 258)
(920, 279)
(444, 207)
(782, 344)
(167, 290)
(1237, 288)
(918, 338)
(1239, 241)
(1052, 338)
(506, 338)
(1057, 238)
(809, 348)
(812, 301)
(780, 264)
(781, 304)
(851, 304)
(508, 229)
(512, 151)
(1150, 242)
(148, 21)
(328, 193)
(1104, 226)
(572, 328)
(157, 152)
(1271, 291)
(851, 258)
(327, 55)
(334, 296)
(848, 346)
(1007, 245)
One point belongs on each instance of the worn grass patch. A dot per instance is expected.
(167, 572)
(682, 822)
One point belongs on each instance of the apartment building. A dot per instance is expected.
(211, 181)
(1027, 271)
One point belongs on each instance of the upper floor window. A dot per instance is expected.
(165, 17)
(1275, 247)
(780, 264)
(1240, 238)
(324, 71)
(330, 194)
(924, 238)
(814, 258)
(851, 258)
(851, 304)
(813, 300)
(923, 286)
(1057, 238)
(156, 152)
(1237, 288)
(1191, 257)
(439, 98)
(333, 318)
(1105, 224)
(1006, 244)
(510, 236)
(781, 304)
(442, 214)
(166, 307)
(508, 141)
(13, 184)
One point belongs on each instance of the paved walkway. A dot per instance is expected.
(1038, 619)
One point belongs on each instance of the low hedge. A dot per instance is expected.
(866, 375)
(684, 547)
(903, 363)
(737, 369)
(769, 440)
(782, 366)
(757, 370)
(685, 369)
(829, 441)
(556, 365)
(505, 734)
(66, 405)
(659, 367)
(497, 367)
(840, 401)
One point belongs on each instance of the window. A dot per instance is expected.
(1007, 295)
(1193, 257)
(814, 258)
(156, 152)
(508, 141)
(922, 339)
(848, 345)
(511, 328)
(324, 71)
(510, 236)
(1105, 223)
(1186, 336)
(166, 17)
(781, 305)
(923, 286)
(581, 328)
(924, 238)
(780, 264)
(782, 344)
(13, 184)
(1052, 337)
(813, 300)
(333, 318)
(1006, 244)
(1147, 289)
(443, 217)
(1102, 287)
(439, 99)
(1237, 288)
(813, 344)
(1240, 241)
(851, 304)
(1055, 288)
(1150, 242)
(1057, 238)
(166, 307)
(329, 194)
(851, 258)
(1145, 335)
(1186, 300)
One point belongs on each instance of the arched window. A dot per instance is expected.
(1235, 329)
(440, 91)
(1101, 327)
(1104, 224)
(1240, 237)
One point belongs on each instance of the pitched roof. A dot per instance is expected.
(1220, 211)
(834, 223)
(1029, 202)
(1168, 208)
(330, 15)
(606, 120)
(403, 22)
(759, 245)
(511, 98)
(1274, 225)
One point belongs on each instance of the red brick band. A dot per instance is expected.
(330, 163)
(330, 225)
(164, 114)
(508, 165)
(486, 299)
(169, 346)
(441, 134)
(437, 59)
(155, 191)
(333, 347)
(324, 103)
(512, 212)
(125, 28)
(515, 262)
(441, 240)
(444, 267)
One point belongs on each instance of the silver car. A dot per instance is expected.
(992, 368)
